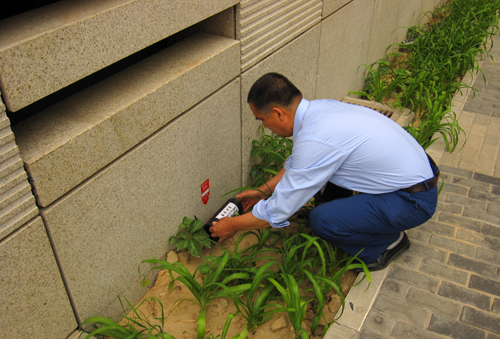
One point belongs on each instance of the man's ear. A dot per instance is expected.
(278, 110)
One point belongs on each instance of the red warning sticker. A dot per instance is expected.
(205, 192)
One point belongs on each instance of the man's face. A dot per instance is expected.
(274, 121)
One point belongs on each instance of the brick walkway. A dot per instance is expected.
(448, 284)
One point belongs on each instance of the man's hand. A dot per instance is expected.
(222, 229)
(249, 198)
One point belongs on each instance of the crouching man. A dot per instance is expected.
(339, 147)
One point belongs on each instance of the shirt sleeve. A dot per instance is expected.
(309, 167)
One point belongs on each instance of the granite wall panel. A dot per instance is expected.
(44, 50)
(17, 203)
(344, 44)
(127, 212)
(330, 6)
(298, 61)
(265, 26)
(385, 30)
(33, 302)
(68, 142)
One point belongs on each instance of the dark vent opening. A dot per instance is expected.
(12, 8)
(66, 92)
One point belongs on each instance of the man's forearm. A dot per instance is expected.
(247, 222)
(269, 186)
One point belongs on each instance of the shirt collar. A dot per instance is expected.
(299, 116)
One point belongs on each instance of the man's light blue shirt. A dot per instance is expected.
(351, 146)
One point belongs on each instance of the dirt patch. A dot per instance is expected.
(181, 316)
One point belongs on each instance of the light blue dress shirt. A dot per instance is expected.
(351, 146)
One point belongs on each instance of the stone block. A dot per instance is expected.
(68, 142)
(414, 278)
(405, 330)
(464, 295)
(455, 220)
(17, 203)
(452, 328)
(379, 323)
(126, 213)
(385, 29)
(344, 49)
(33, 302)
(433, 302)
(438, 228)
(443, 271)
(330, 6)
(361, 298)
(465, 201)
(266, 26)
(399, 309)
(460, 181)
(484, 285)
(54, 46)
(481, 319)
(339, 331)
(394, 288)
(298, 62)
(456, 171)
(472, 265)
(479, 239)
(452, 245)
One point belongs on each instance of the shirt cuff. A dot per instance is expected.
(260, 212)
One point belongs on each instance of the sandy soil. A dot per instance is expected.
(182, 316)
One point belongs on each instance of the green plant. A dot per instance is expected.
(272, 151)
(191, 236)
(134, 327)
(205, 292)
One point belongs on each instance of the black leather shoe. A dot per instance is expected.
(389, 255)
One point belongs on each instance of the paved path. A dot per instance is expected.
(448, 284)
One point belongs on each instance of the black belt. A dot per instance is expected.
(426, 185)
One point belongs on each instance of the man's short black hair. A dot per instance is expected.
(272, 89)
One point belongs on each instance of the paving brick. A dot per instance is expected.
(466, 201)
(452, 188)
(493, 208)
(472, 265)
(481, 319)
(489, 229)
(438, 228)
(495, 190)
(414, 278)
(488, 256)
(481, 215)
(480, 195)
(409, 260)
(418, 234)
(404, 330)
(454, 329)
(395, 289)
(469, 165)
(452, 219)
(369, 335)
(481, 119)
(495, 307)
(465, 295)
(456, 171)
(485, 285)
(472, 107)
(483, 186)
(479, 239)
(492, 336)
(443, 271)
(433, 302)
(399, 309)
(486, 178)
(450, 208)
(423, 250)
(379, 323)
(452, 245)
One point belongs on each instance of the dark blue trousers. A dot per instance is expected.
(371, 222)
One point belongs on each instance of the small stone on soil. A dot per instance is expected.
(172, 257)
(183, 257)
(333, 304)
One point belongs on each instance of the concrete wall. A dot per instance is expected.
(112, 169)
